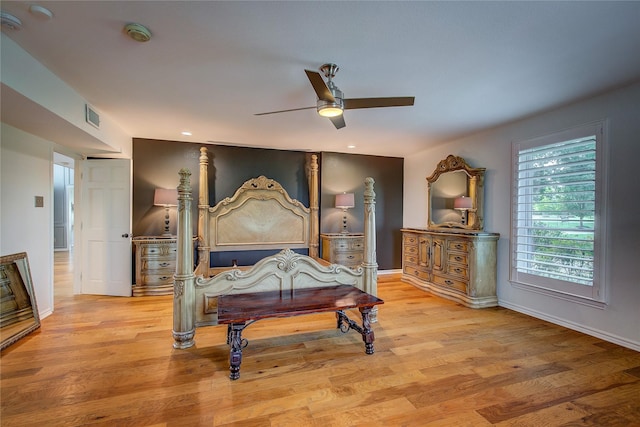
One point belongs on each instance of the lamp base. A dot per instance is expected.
(344, 223)
(166, 222)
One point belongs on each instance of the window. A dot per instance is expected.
(558, 213)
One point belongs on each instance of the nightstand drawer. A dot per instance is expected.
(349, 258)
(163, 278)
(163, 249)
(159, 264)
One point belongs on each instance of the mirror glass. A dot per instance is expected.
(18, 309)
(455, 195)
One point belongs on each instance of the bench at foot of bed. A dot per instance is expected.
(240, 310)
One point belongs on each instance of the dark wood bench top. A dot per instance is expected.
(238, 308)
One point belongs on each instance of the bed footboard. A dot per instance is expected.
(195, 300)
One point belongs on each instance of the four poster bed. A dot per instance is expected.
(259, 216)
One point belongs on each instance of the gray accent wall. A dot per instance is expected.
(156, 164)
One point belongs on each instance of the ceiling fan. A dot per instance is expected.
(331, 102)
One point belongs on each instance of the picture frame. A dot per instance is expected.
(18, 309)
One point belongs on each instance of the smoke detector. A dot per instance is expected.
(138, 32)
(9, 21)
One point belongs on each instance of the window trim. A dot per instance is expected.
(595, 295)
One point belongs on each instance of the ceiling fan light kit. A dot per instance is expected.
(329, 109)
(331, 102)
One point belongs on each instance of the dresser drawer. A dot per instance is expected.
(411, 250)
(458, 245)
(420, 274)
(410, 259)
(457, 258)
(410, 239)
(459, 270)
(450, 283)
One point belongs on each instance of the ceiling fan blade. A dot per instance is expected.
(402, 101)
(338, 121)
(319, 86)
(283, 111)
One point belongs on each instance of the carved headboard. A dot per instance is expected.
(260, 215)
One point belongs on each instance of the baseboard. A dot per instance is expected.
(386, 272)
(633, 345)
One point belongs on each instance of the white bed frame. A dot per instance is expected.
(260, 215)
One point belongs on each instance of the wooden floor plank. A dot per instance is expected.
(110, 361)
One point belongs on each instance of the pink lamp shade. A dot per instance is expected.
(345, 201)
(463, 203)
(165, 197)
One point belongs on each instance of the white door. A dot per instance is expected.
(106, 225)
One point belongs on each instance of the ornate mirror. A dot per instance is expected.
(455, 195)
(18, 310)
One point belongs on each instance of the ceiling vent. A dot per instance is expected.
(91, 116)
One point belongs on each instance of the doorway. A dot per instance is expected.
(63, 226)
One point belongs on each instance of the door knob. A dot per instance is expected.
(125, 235)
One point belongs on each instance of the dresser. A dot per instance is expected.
(155, 264)
(460, 266)
(343, 248)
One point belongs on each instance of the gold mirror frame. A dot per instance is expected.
(18, 309)
(474, 190)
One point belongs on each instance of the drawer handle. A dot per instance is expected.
(164, 264)
(458, 270)
(458, 246)
(458, 258)
(350, 257)
(448, 282)
(165, 278)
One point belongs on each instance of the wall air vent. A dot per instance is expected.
(92, 116)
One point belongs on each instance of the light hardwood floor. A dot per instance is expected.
(109, 361)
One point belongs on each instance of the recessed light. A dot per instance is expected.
(186, 133)
(11, 22)
(351, 146)
(40, 12)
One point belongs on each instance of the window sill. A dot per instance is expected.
(576, 299)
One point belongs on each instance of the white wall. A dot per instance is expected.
(619, 321)
(25, 172)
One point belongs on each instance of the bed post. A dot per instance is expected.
(314, 238)
(203, 217)
(184, 279)
(370, 264)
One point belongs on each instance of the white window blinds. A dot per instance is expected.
(554, 213)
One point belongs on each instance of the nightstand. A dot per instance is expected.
(343, 248)
(155, 258)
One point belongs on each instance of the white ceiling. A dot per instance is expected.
(211, 65)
